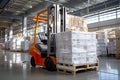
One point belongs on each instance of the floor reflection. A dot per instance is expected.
(16, 66)
(15, 57)
(108, 76)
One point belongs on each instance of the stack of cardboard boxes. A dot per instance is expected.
(76, 23)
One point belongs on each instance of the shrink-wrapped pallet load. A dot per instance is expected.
(111, 46)
(25, 45)
(101, 43)
(76, 47)
(15, 44)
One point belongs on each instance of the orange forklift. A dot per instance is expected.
(44, 53)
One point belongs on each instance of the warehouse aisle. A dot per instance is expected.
(15, 66)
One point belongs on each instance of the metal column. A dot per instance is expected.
(55, 19)
(6, 35)
(63, 19)
(24, 26)
(11, 32)
(48, 27)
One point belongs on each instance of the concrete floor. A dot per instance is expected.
(16, 66)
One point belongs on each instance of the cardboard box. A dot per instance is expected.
(75, 23)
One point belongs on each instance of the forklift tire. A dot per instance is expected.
(32, 61)
(50, 66)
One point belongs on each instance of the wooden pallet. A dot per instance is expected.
(93, 66)
(75, 68)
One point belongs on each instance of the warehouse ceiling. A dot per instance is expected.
(95, 8)
(14, 10)
(17, 7)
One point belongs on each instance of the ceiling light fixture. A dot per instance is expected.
(30, 4)
(63, 1)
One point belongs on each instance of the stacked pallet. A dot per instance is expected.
(15, 44)
(25, 45)
(111, 46)
(7, 45)
(101, 43)
(117, 33)
(76, 23)
(76, 51)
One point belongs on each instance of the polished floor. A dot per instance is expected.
(16, 66)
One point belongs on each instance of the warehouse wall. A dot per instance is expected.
(104, 24)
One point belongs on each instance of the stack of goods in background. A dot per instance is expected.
(117, 33)
(18, 44)
(111, 46)
(1, 47)
(101, 43)
(25, 45)
(75, 23)
(15, 44)
(114, 42)
(76, 49)
(7, 45)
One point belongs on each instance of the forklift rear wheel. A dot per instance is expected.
(50, 66)
(32, 62)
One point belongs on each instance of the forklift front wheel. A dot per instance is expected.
(32, 61)
(50, 66)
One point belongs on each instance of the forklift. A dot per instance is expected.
(44, 53)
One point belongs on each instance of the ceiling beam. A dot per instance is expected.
(37, 8)
(3, 3)
(10, 16)
(97, 7)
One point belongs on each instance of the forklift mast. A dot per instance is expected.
(56, 24)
